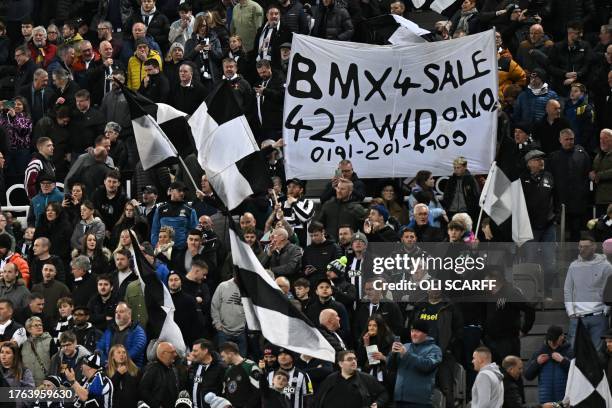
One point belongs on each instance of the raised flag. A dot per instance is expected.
(158, 301)
(161, 131)
(587, 385)
(267, 309)
(227, 150)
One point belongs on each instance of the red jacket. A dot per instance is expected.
(42, 56)
(22, 267)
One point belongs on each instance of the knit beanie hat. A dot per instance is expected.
(216, 402)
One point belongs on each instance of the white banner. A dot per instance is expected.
(391, 110)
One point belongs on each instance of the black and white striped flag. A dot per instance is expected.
(227, 150)
(160, 307)
(161, 131)
(587, 385)
(267, 309)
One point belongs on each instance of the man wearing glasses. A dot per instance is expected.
(68, 356)
(105, 33)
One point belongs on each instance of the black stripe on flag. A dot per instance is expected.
(267, 309)
(251, 168)
(159, 304)
(222, 103)
(586, 356)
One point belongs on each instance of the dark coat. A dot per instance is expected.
(332, 23)
(552, 376)
(187, 98)
(57, 231)
(271, 102)
(367, 386)
(27, 92)
(470, 189)
(540, 197)
(563, 59)
(100, 310)
(570, 170)
(210, 381)
(295, 18)
(84, 289)
(547, 135)
(514, 394)
(125, 389)
(319, 256)
(279, 36)
(389, 311)
(157, 90)
(158, 28)
(187, 317)
(160, 385)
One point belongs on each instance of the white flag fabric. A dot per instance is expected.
(392, 110)
(502, 198)
(267, 309)
(227, 150)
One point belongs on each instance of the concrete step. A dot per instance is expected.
(529, 345)
(550, 317)
(531, 395)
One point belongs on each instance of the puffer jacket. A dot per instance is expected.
(83, 228)
(135, 343)
(136, 72)
(36, 355)
(126, 7)
(416, 371)
(530, 107)
(580, 116)
(509, 72)
(338, 24)
(552, 376)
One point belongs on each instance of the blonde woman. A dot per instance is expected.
(165, 243)
(124, 375)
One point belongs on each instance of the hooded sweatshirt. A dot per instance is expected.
(488, 389)
(584, 284)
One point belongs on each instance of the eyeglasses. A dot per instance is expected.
(36, 325)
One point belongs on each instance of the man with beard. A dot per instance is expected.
(205, 373)
(86, 334)
(270, 97)
(42, 52)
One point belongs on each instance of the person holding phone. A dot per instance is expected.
(416, 364)
(16, 121)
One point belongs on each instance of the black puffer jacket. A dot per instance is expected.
(294, 17)
(562, 59)
(333, 23)
(127, 11)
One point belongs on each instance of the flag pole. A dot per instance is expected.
(478, 223)
(188, 173)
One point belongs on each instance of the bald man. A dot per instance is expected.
(160, 386)
(533, 52)
(329, 320)
(546, 130)
(514, 395)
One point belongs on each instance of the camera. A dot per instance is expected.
(205, 41)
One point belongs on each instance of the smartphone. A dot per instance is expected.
(397, 339)
(338, 173)
(9, 104)
(67, 196)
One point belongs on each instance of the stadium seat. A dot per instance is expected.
(528, 277)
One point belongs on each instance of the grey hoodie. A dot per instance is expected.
(488, 389)
(584, 285)
(226, 308)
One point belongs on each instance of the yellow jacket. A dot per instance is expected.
(136, 72)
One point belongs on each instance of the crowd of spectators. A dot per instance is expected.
(72, 309)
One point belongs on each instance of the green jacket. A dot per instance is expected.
(136, 301)
(602, 165)
(246, 19)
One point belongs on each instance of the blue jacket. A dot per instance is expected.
(531, 108)
(580, 117)
(135, 343)
(40, 201)
(552, 376)
(162, 271)
(178, 215)
(416, 371)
